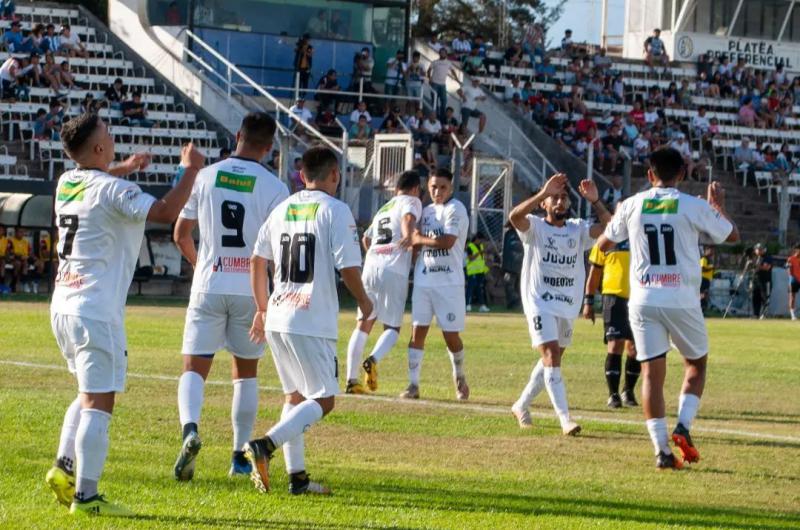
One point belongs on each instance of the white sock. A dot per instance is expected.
(532, 389)
(792, 313)
(414, 365)
(385, 343)
(66, 445)
(296, 422)
(457, 360)
(687, 409)
(294, 449)
(355, 349)
(244, 409)
(657, 427)
(91, 449)
(190, 397)
(557, 391)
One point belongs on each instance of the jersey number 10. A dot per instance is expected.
(668, 234)
(297, 258)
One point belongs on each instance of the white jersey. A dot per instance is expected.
(308, 236)
(553, 271)
(384, 254)
(442, 267)
(230, 201)
(101, 223)
(664, 227)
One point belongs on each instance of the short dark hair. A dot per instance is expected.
(408, 180)
(76, 132)
(318, 162)
(797, 246)
(667, 164)
(258, 129)
(444, 173)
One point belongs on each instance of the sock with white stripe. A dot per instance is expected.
(355, 349)
(91, 449)
(414, 365)
(385, 343)
(294, 449)
(65, 457)
(657, 427)
(191, 388)
(244, 409)
(687, 409)
(558, 392)
(295, 423)
(457, 360)
(532, 389)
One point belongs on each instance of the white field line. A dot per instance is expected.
(488, 409)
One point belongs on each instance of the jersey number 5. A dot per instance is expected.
(70, 222)
(297, 258)
(668, 233)
(233, 218)
(384, 232)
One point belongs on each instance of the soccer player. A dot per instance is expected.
(613, 267)
(552, 282)
(707, 271)
(307, 237)
(230, 201)
(439, 281)
(663, 227)
(385, 277)
(793, 266)
(101, 222)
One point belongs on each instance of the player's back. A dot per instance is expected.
(384, 253)
(101, 222)
(230, 200)
(308, 235)
(437, 267)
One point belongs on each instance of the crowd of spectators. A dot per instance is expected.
(22, 263)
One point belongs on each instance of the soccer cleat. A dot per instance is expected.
(484, 309)
(523, 418)
(240, 466)
(370, 367)
(412, 392)
(614, 401)
(469, 308)
(301, 484)
(62, 484)
(462, 388)
(570, 428)
(629, 398)
(98, 506)
(258, 455)
(668, 461)
(354, 387)
(184, 465)
(681, 438)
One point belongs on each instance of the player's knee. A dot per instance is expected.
(295, 398)
(201, 365)
(327, 404)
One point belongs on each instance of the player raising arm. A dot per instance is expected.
(552, 282)
(101, 222)
(663, 227)
(307, 237)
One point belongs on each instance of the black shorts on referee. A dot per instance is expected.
(616, 325)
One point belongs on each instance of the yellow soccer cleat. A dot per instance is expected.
(98, 506)
(354, 387)
(370, 366)
(62, 484)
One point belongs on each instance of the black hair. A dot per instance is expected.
(408, 180)
(667, 164)
(77, 131)
(444, 173)
(318, 162)
(258, 129)
(797, 246)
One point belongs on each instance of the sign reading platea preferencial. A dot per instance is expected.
(757, 53)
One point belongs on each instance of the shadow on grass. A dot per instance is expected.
(235, 522)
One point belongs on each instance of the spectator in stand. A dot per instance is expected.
(71, 44)
(545, 71)
(583, 125)
(295, 180)
(651, 115)
(362, 70)
(303, 60)
(54, 119)
(21, 257)
(581, 146)
(7, 9)
(414, 123)
(682, 146)
(576, 101)
(747, 114)
(396, 71)
(438, 72)
(360, 131)
(743, 155)
(512, 90)
(135, 112)
(299, 109)
(116, 94)
(66, 77)
(705, 65)
(8, 78)
(642, 147)
(360, 110)
(612, 144)
(52, 39)
(434, 43)
(89, 105)
(461, 45)
(414, 79)
(391, 126)
(172, 15)
(431, 130)
(13, 37)
(567, 47)
(613, 194)
(602, 63)
(492, 60)
(28, 75)
(655, 51)
(326, 121)
(514, 56)
(318, 26)
(618, 90)
(594, 90)
(629, 129)
(471, 96)
(473, 63)
(329, 83)
(40, 130)
(566, 136)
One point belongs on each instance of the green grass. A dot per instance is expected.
(434, 464)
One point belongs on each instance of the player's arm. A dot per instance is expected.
(408, 226)
(519, 215)
(588, 190)
(259, 285)
(166, 210)
(445, 241)
(366, 242)
(351, 276)
(592, 284)
(182, 235)
(132, 164)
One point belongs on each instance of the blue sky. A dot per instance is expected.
(583, 18)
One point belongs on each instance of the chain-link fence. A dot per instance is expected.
(490, 198)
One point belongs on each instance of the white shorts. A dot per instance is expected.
(653, 327)
(217, 321)
(447, 303)
(545, 327)
(95, 352)
(307, 365)
(388, 292)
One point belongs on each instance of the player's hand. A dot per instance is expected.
(366, 307)
(137, 162)
(257, 334)
(716, 196)
(406, 242)
(588, 312)
(588, 190)
(415, 238)
(555, 184)
(191, 157)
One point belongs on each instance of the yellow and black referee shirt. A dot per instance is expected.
(616, 268)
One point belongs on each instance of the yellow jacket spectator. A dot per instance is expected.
(476, 273)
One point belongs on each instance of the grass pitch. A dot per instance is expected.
(428, 464)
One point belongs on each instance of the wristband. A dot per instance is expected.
(588, 299)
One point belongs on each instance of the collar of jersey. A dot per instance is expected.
(245, 159)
